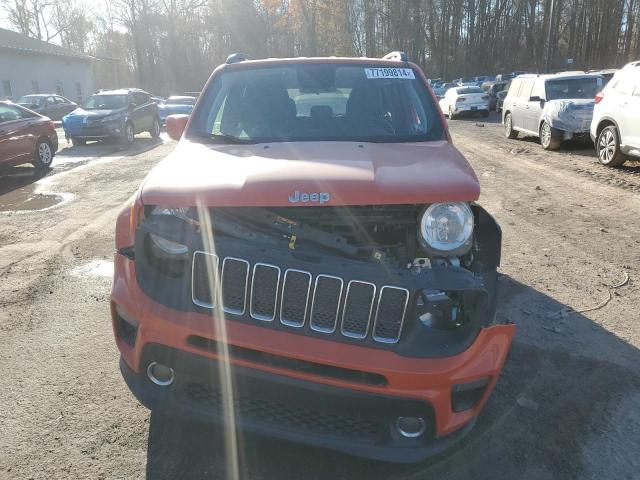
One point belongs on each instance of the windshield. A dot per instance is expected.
(466, 90)
(180, 101)
(32, 100)
(105, 102)
(573, 88)
(318, 102)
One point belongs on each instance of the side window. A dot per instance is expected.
(9, 113)
(51, 101)
(515, 88)
(140, 98)
(538, 89)
(60, 100)
(624, 86)
(525, 90)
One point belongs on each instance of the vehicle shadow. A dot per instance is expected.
(493, 118)
(545, 415)
(12, 178)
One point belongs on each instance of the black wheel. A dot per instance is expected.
(129, 134)
(550, 138)
(509, 132)
(43, 155)
(608, 147)
(78, 142)
(155, 128)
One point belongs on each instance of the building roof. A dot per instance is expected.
(21, 43)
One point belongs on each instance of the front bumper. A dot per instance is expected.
(351, 421)
(427, 382)
(94, 131)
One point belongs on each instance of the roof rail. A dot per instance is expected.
(236, 58)
(398, 56)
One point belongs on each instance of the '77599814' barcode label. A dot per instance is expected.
(405, 73)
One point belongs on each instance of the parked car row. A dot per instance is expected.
(577, 105)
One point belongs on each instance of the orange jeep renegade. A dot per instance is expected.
(309, 263)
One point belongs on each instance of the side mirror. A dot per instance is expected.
(536, 99)
(176, 125)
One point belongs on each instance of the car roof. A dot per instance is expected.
(120, 91)
(318, 60)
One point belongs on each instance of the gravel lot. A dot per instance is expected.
(567, 406)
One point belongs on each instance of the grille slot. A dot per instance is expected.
(295, 297)
(264, 291)
(327, 295)
(358, 306)
(204, 284)
(234, 279)
(392, 304)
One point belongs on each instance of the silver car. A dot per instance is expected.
(552, 107)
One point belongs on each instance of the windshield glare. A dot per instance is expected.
(574, 88)
(317, 102)
(105, 102)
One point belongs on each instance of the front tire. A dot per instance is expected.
(509, 132)
(155, 128)
(129, 134)
(550, 138)
(608, 147)
(43, 155)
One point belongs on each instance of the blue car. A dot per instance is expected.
(118, 114)
(176, 104)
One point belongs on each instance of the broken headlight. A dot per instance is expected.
(447, 228)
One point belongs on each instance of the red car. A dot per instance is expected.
(26, 137)
(310, 264)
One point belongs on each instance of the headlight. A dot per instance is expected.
(112, 118)
(167, 246)
(447, 228)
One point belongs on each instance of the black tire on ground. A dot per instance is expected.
(78, 142)
(550, 138)
(129, 134)
(509, 132)
(155, 128)
(608, 147)
(43, 154)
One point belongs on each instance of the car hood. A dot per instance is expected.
(330, 173)
(81, 112)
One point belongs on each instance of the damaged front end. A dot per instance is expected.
(573, 117)
(352, 274)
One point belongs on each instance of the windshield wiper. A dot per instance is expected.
(224, 138)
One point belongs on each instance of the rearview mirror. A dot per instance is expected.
(176, 125)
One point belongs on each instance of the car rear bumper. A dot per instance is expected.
(471, 108)
(351, 421)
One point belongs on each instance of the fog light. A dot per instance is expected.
(411, 427)
(160, 374)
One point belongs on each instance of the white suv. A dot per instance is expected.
(615, 129)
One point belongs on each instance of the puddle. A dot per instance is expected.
(25, 199)
(96, 268)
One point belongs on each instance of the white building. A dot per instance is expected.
(29, 66)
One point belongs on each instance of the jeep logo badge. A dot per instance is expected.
(316, 197)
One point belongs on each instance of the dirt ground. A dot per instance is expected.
(567, 405)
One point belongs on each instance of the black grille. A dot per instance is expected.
(357, 309)
(264, 288)
(234, 285)
(282, 415)
(326, 302)
(391, 306)
(295, 296)
(203, 283)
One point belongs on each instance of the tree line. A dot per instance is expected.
(171, 46)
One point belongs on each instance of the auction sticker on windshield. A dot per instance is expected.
(389, 73)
